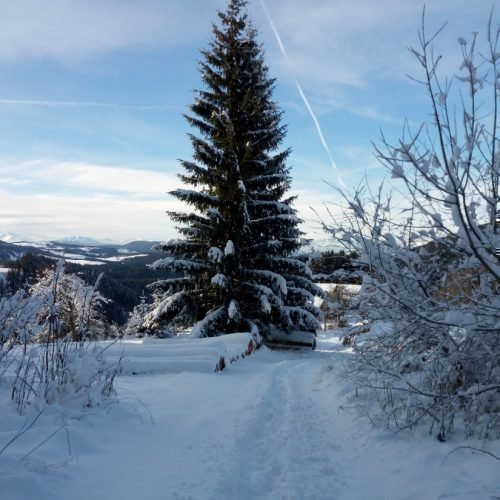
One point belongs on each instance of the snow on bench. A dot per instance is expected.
(184, 354)
(296, 339)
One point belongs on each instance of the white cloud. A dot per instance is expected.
(87, 104)
(313, 206)
(60, 199)
(328, 41)
(51, 199)
(89, 178)
(76, 30)
(51, 216)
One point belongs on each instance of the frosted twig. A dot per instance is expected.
(472, 448)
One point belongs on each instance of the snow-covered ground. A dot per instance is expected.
(121, 258)
(328, 287)
(274, 425)
(85, 262)
(81, 259)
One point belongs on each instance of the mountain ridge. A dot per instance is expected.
(77, 252)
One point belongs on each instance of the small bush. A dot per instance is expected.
(63, 372)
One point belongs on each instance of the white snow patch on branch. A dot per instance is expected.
(233, 310)
(229, 250)
(219, 280)
(215, 254)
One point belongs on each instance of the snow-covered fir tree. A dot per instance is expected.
(237, 254)
(68, 306)
(135, 322)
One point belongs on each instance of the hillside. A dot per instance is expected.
(79, 253)
(125, 268)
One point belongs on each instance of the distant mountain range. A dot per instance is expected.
(85, 240)
(77, 250)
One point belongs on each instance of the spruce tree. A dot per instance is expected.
(238, 247)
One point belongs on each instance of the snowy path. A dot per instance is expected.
(273, 426)
(284, 451)
(254, 432)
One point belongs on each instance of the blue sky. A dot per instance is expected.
(92, 94)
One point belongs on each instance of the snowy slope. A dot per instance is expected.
(275, 425)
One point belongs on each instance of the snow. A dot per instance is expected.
(11, 238)
(67, 255)
(81, 259)
(219, 280)
(229, 250)
(265, 306)
(199, 328)
(275, 278)
(214, 213)
(178, 264)
(328, 287)
(3, 273)
(232, 310)
(397, 172)
(121, 258)
(274, 425)
(85, 262)
(149, 356)
(378, 328)
(215, 254)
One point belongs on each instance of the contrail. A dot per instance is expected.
(302, 95)
(86, 104)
